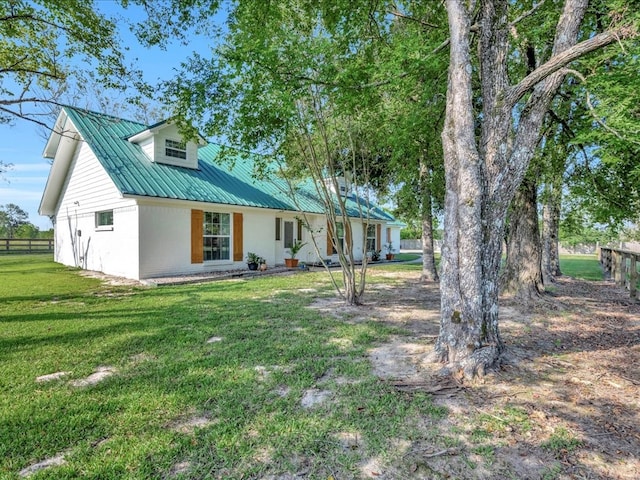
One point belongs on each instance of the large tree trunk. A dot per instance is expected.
(550, 235)
(429, 272)
(482, 174)
(469, 339)
(522, 272)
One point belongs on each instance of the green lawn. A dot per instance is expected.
(586, 267)
(180, 407)
(245, 390)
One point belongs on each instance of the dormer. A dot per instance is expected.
(343, 184)
(163, 143)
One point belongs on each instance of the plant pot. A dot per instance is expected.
(252, 266)
(389, 256)
(291, 262)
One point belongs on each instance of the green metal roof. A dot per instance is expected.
(220, 179)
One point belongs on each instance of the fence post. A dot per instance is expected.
(633, 275)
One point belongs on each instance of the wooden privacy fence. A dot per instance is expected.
(622, 267)
(26, 245)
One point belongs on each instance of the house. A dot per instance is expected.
(137, 201)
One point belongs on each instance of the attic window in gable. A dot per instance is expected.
(175, 149)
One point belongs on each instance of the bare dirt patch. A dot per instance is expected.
(188, 425)
(50, 377)
(564, 405)
(96, 377)
(56, 461)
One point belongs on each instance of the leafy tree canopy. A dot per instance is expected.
(41, 44)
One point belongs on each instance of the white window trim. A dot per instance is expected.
(374, 237)
(105, 227)
(221, 261)
(176, 147)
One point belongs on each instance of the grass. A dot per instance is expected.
(247, 387)
(585, 267)
(561, 441)
(405, 257)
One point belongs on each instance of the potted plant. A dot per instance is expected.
(262, 264)
(292, 262)
(389, 249)
(375, 255)
(253, 259)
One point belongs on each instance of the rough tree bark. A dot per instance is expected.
(482, 174)
(429, 271)
(522, 272)
(550, 235)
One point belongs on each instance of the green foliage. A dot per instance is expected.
(576, 228)
(39, 42)
(13, 220)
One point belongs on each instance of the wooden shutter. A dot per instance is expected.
(238, 242)
(388, 235)
(378, 237)
(347, 235)
(197, 253)
(330, 247)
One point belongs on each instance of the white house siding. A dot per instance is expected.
(165, 241)
(165, 238)
(395, 238)
(259, 234)
(87, 190)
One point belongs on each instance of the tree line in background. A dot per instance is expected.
(514, 122)
(14, 223)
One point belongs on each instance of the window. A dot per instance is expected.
(217, 236)
(104, 219)
(175, 149)
(278, 229)
(371, 238)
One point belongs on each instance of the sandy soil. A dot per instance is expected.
(564, 404)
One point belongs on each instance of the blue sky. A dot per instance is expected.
(23, 142)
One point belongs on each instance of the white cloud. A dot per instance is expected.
(14, 195)
(30, 167)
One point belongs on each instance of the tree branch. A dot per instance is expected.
(397, 13)
(560, 60)
(526, 14)
(33, 18)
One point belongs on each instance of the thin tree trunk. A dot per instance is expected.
(429, 271)
(522, 272)
(550, 235)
